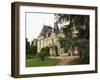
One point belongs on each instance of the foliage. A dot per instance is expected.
(27, 44)
(31, 50)
(82, 44)
(74, 19)
(81, 23)
(44, 53)
(27, 48)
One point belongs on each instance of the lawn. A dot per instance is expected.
(35, 62)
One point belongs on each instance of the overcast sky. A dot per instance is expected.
(35, 22)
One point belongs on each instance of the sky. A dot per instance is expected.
(35, 22)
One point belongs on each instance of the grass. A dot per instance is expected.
(35, 62)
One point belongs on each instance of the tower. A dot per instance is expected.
(56, 28)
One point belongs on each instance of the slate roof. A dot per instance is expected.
(47, 30)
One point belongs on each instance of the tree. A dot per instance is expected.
(27, 44)
(81, 23)
(27, 48)
(31, 50)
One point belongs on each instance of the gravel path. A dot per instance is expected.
(66, 60)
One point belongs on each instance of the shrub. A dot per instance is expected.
(44, 53)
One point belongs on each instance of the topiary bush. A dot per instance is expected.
(44, 53)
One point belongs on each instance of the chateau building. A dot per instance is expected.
(49, 37)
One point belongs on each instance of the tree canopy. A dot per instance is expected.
(81, 24)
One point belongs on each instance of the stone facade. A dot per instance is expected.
(50, 41)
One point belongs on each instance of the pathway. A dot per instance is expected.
(66, 60)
